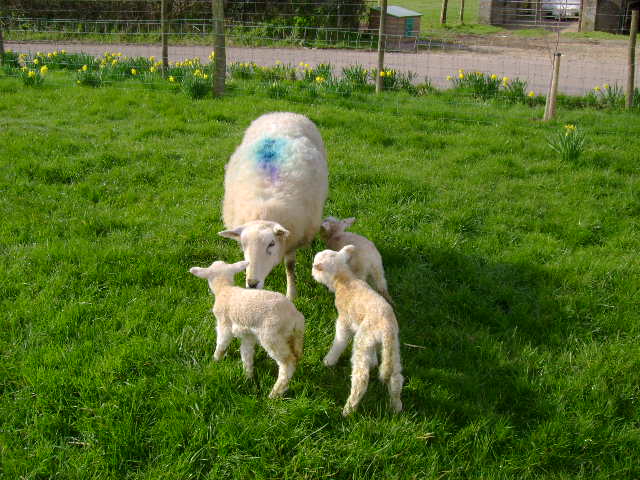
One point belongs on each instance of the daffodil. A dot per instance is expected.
(569, 128)
(44, 69)
(152, 69)
(171, 79)
(63, 52)
(85, 68)
(152, 58)
(134, 71)
(461, 76)
(31, 74)
(605, 86)
(36, 61)
(532, 94)
(494, 76)
(449, 78)
(596, 88)
(505, 80)
(319, 79)
(382, 74)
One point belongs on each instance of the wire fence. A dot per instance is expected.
(301, 38)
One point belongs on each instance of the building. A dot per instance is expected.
(402, 26)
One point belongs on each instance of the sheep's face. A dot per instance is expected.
(333, 226)
(328, 262)
(263, 244)
(219, 269)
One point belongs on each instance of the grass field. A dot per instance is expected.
(515, 277)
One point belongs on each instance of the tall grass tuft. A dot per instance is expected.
(569, 143)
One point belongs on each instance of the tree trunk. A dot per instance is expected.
(381, 43)
(631, 64)
(443, 12)
(220, 59)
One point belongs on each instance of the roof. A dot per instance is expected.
(399, 12)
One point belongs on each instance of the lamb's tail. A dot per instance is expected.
(390, 364)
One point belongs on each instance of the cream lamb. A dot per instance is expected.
(261, 316)
(365, 315)
(365, 261)
(276, 185)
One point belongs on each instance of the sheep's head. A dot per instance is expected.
(333, 226)
(264, 246)
(219, 269)
(328, 263)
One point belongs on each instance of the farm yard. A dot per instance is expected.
(514, 274)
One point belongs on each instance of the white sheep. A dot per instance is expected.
(365, 262)
(365, 315)
(262, 316)
(275, 188)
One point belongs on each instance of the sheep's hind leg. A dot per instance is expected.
(224, 335)
(290, 267)
(281, 352)
(247, 350)
(340, 342)
(360, 359)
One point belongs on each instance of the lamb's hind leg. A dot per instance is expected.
(363, 350)
(290, 267)
(281, 352)
(247, 350)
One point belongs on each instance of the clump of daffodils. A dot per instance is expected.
(569, 142)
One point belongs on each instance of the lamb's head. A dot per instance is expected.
(219, 269)
(264, 246)
(328, 263)
(333, 226)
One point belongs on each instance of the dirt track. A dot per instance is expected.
(584, 64)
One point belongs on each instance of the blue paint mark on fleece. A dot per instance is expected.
(269, 155)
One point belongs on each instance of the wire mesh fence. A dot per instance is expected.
(272, 41)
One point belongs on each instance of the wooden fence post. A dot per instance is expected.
(381, 44)
(550, 107)
(1, 43)
(163, 24)
(220, 54)
(443, 12)
(631, 65)
(461, 12)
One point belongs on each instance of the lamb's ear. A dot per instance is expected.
(200, 272)
(232, 234)
(280, 231)
(347, 252)
(240, 266)
(347, 222)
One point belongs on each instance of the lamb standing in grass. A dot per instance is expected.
(361, 311)
(365, 261)
(275, 188)
(268, 318)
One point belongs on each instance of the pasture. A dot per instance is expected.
(515, 277)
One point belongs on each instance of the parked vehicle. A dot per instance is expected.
(561, 9)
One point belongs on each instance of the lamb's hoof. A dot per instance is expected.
(347, 410)
(328, 362)
(276, 394)
(396, 406)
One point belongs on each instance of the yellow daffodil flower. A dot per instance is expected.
(44, 69)
(85, 68)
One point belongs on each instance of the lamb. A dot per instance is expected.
(262, 316)
(363, 312)
(366, 262)
(276, 184)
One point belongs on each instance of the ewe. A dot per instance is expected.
(365, 261)
(361, 311)
(275, 187)
(254, 316)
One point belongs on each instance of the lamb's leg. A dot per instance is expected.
(360, 360)
(380, 283)
(340, 342)
(290, 266)
(281, 352)
(223, 339)
(247, 350)
(395, 387)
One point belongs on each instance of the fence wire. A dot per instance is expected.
(339, 34)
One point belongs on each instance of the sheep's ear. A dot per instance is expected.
(318, 267)
(280, 231)
(325, 225)
(200, 272)
(240, 266)
(347, 252)
(232, 234)
(347, 222)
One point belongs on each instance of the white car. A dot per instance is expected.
(561, 9)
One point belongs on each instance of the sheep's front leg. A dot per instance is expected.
(224, 335)
(340, 342)
(247, 350)
(290, 266)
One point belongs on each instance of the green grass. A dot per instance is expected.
(515, 277)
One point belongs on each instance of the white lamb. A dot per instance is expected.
(363, 312)
(365, 261)
(275, 188)
(254, 316)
